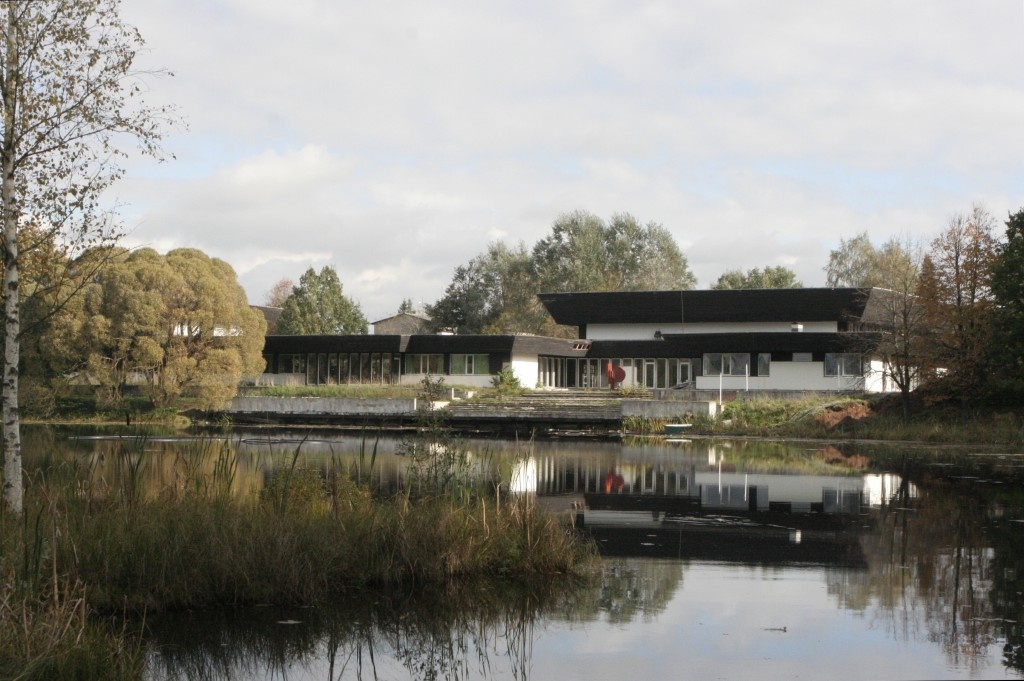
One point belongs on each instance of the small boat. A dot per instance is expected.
(677, 428)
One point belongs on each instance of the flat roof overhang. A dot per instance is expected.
(737, 305)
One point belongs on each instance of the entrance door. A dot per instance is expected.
(684, 372)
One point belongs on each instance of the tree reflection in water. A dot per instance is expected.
(944, 565)
(457, 634)
(447, 635)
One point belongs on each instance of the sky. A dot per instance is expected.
(394, 140)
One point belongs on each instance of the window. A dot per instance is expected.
(470, 364)
(803, 357)
(843, 364)
(764, 363)
(311, 369)
(291, 364)
(416, 363)
(726, 363)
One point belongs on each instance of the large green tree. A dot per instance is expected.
(494, 283)
(318, 306)
(180, 324)
(769, 277)
(469, 302)
(69, 105)
(584, 253)
(1008, 295)
(496, 292)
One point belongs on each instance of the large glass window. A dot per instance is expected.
(843, 364)
(470, 364)
(311, 369)
(291, 364)
(416, 363)
(726, 364)
(764, 364)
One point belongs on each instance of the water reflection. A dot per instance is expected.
(804, 558)
(468, 633)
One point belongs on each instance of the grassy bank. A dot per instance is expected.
(87, 549)
(866, 418)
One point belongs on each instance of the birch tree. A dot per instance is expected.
(71, 107)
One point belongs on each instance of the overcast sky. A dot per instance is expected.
(394, 140)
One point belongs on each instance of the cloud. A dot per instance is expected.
(394, 139)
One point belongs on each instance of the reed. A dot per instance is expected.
(47, 630)
(144, 536)
(643, 425)
(308, 536)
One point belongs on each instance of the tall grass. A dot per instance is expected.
(308, 536)
(94, 545)
(46, 631)
(353, 390)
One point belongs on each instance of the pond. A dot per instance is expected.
(720, 559)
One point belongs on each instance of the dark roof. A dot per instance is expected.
(424, 343)
(734, 305)
(332, 343)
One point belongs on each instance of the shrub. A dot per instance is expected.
(506, 382)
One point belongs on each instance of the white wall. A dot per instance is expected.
(646, 331)
(784, 376)
(761, 327)
(876, 381)
(629, 331)
(525, 369)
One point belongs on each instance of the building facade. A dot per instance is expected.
(760, 339)
(751, 339)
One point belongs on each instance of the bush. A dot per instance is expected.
(506, 382)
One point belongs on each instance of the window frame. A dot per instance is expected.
(470, 363)
(727, 360)
(428, 363)
(843, 365)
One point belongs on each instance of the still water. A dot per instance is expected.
(734, 560)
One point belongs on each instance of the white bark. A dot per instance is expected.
(12, 489)
(69, 98)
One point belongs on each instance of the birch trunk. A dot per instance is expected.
(12, 494)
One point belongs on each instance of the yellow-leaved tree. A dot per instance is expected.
(178, 325)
